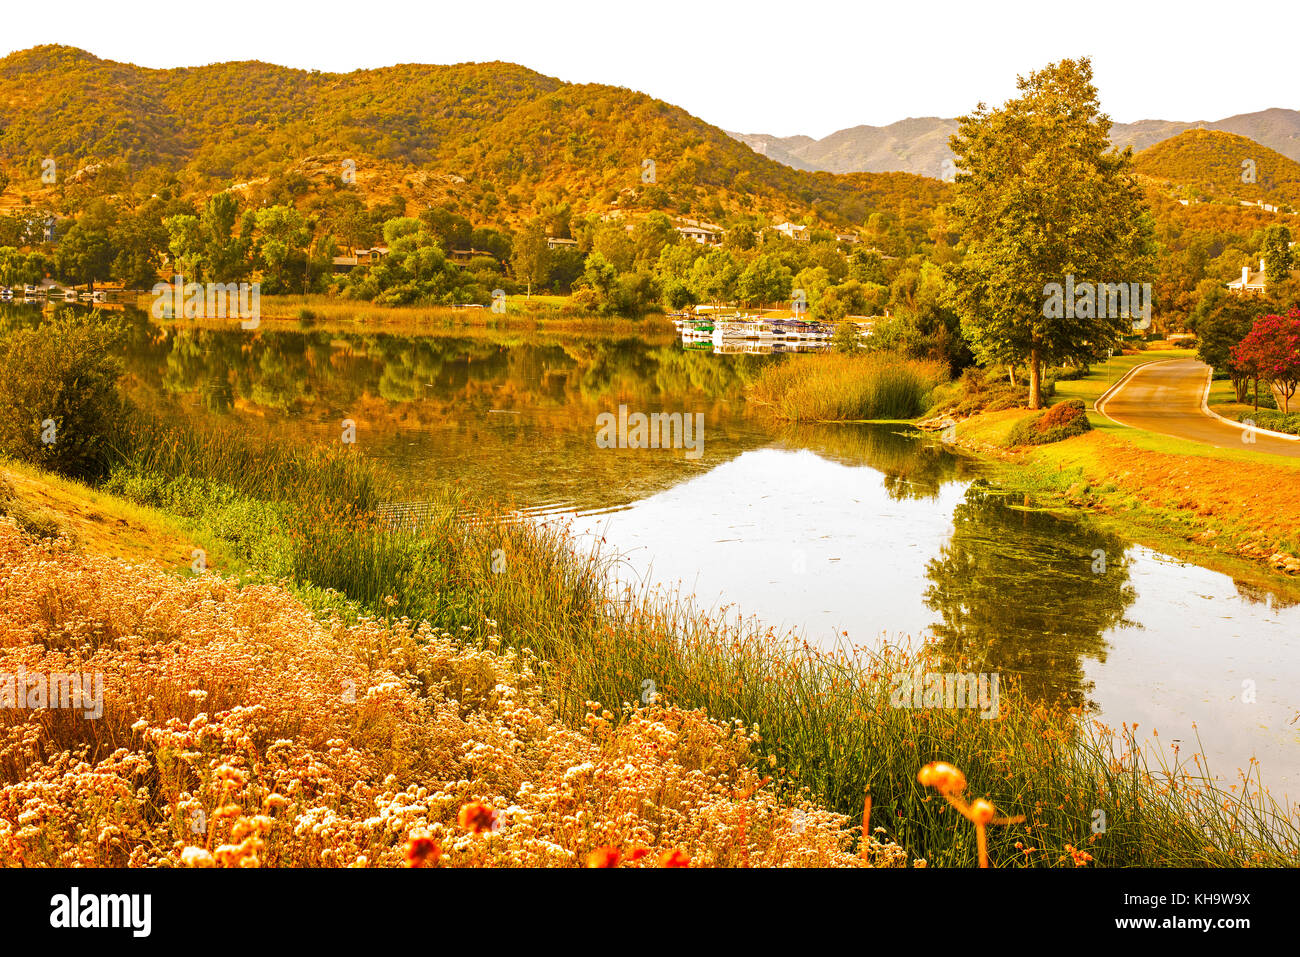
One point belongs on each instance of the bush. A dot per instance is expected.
(1273, 421)
(846, 338)
(59, 405)
(33, 521)
(1061, 421)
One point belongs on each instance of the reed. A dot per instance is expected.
(837, 387)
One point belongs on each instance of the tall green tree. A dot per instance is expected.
(1040, 196)
(1278, 259)
(530, 257)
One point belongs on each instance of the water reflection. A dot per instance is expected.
(1025, 592)
(869, 530)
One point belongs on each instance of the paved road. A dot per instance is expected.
(1166, 397)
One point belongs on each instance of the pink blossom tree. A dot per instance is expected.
(1270, 352)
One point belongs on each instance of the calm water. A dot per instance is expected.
(854, 533)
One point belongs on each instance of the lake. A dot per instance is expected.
(845, 533)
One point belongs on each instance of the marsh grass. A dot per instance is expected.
(838, 387)
(824, 720)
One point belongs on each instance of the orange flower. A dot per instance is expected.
(943, 777)
(981, 811)
(422, 851)
(637, 853)
(674, 858)
(477, 817)
(603, 857)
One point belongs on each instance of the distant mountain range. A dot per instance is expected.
(920, 145)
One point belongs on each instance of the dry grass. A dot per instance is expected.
(836, 387)
(239, 730)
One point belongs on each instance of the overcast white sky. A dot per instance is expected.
(810, 66)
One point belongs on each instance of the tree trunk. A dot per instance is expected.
(1256, 393)
(1239, 387)
(1035, 400)
(1011, 374)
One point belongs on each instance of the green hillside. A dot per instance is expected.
(1208, 164)
(518, 139)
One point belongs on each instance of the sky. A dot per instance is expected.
(755, 66)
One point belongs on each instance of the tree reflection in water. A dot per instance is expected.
(999, 551)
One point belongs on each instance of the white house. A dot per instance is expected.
(793, 231)
(1251, 282)
(706, 234)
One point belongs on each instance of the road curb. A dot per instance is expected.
(1256, 430)
(1100, 403)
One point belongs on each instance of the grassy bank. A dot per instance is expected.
(822, 725)
(838, 387)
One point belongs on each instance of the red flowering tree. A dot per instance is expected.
(1271, 353)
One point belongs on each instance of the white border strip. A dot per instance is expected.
(1205, 407)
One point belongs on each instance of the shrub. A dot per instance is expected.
(846, 338)
(1061, 421)
(59, 405)
(33, 521)
(1273, 421)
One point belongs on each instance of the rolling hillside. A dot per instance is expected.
(499, 138)
(1208, 164)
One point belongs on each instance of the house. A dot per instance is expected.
(706, 234)
(554, 242)
(358, 257)
(793, 231)
(1260, 204)
(846, 237)
(1251, 282)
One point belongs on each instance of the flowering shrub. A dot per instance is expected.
(1059, 422)
(240, 730)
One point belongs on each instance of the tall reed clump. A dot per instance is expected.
(838, 387)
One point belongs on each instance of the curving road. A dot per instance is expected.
(1169, 397)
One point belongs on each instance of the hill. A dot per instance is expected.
(1209, 164)
(503, 139)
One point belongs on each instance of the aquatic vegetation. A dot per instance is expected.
(835, 387)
